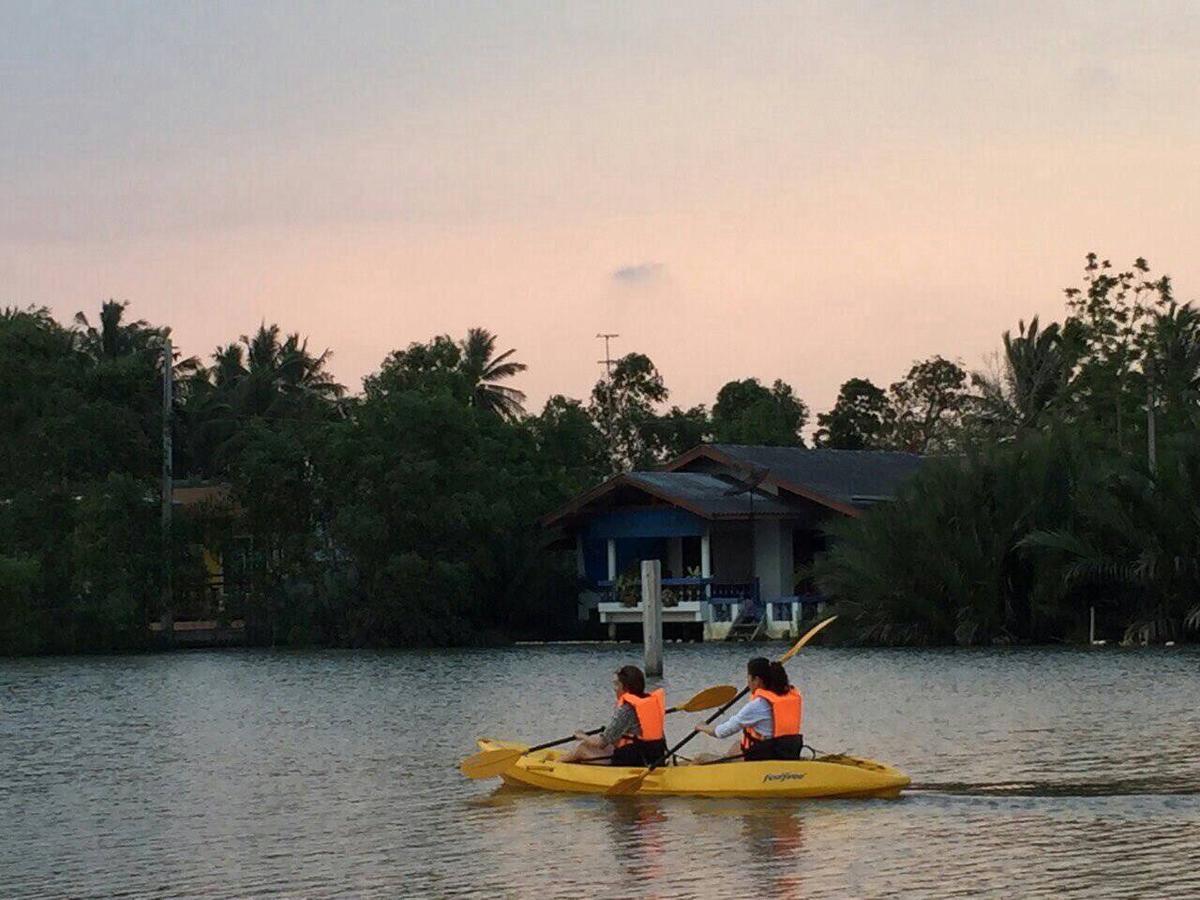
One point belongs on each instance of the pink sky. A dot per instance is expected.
(800, 192)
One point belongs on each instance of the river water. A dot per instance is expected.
(323, 774)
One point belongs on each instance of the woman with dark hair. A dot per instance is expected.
(771, 722)
(636, 735)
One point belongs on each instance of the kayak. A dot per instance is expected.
(826, 776)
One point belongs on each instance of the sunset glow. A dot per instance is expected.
(807, 192)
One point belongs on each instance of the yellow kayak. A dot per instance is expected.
(827, 776)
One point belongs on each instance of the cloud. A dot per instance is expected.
(641, 273)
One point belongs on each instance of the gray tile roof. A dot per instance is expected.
(709, 495)
(853, 477)
(709, 481)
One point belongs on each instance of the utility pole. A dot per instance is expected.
(607, 361)
(1151, 435)
(168, 613)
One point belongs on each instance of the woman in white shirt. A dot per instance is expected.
(770, 724)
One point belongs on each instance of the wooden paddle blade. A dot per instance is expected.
(809, 635)
(628, 785)
(710, 697)
(490, 763)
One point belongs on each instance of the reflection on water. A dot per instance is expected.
(242, 774)
(636, 829)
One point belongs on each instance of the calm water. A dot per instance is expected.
(241, 774)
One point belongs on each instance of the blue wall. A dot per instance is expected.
(639, 533)
(629, 550)
(645, 523)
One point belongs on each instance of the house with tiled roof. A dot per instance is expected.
(731, 525)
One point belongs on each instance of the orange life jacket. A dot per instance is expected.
(787, 715)
(651, 713)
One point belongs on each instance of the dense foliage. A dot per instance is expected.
(1070, 481)
(406, 513)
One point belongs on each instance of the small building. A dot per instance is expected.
(731, 525)
(209, 598)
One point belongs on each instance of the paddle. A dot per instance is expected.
(631, 784)
(490, 763)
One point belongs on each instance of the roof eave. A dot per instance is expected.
(624, 479)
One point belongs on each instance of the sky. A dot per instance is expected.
(804, 191)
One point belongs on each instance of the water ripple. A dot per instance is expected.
(257, 774)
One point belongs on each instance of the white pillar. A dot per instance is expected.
(706, 562)
(612, 559)
(652, 616)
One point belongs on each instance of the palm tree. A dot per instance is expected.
(301, 374)
(230, 365)
(259, 376)
(277, 376)
(1173, 358)
(484, 370)
(945, 563)
(1034, 375)
(1135, 541)
(115, 339)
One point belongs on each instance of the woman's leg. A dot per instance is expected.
(582, 752)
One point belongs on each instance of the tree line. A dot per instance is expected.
(1067, 482)
(406, 513)
(403, 514)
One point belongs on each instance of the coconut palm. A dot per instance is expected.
(260, 376)
(302, 375)
(1173, 359)
(116, 339)
(113, 338)
(483, 370)
(1034, 375)
(230, 365)
(279, 377)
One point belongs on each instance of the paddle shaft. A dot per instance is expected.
(744, 691)
(720, 712)
(549, 744)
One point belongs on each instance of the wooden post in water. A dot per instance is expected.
(1092, 626)
(652, 639)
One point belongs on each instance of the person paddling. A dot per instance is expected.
(771, 722)
(636, 735)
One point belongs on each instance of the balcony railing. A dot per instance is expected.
(736, 601)
(729, 599)
(675, 590)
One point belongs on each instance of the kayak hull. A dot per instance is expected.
(830, 776)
